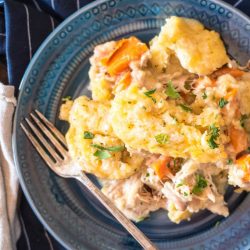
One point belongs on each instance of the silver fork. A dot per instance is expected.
(61, 163)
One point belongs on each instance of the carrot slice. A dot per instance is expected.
(236, 72)
(118, 45)
(123, 81)
(161, 168)
(129, 50)
(244, 162)
(231, 94)
(238, 139)
(225, 70)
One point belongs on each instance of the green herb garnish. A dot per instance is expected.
(171, 91)
(229, 162)
(214, 134)
(185, 193)
(147, 175)
(204, 96)
(115, 148)
(185, 107)
(179, 184)
(222, 103)
(66, 98)
(102, 154)
(243, 118)
(88, 135)
(150, 93)
(201, 183)
(162, 138)
(111, 149)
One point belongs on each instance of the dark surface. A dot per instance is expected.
(43, 17)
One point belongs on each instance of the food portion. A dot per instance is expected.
(199, 50)
(93, 144)
(168, 123)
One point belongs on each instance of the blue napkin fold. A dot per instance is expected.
(27, 24)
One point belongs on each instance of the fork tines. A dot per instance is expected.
(42, 130)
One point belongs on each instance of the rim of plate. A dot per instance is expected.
(21, 89)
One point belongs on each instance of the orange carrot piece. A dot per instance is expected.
(244, 163)
(130, 50)
(236, 72)
(243, 160)
(118, 45)
(125, 79)
(238, 139)
(225, 70)
(161, 168)
(231, 94)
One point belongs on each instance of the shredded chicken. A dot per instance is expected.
(131, 197)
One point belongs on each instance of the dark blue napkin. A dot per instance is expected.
(24, 24)
(27, 24)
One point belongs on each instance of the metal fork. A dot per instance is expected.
(58, 159)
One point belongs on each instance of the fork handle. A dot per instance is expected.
(127, 224)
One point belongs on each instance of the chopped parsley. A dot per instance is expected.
(162, 138)
(147, 174)
(102, 154)
(179, 184)
(115, 148)
(111, 149)
(66, 98)
(88, 135)
(229, 161)
(200, 184)
(185, 107)
(222, 103)
(185, 193)
(243, 118)
(171, 91)
(214, 133)
(150, 93)
(204, 96)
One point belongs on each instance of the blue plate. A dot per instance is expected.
(60, 68)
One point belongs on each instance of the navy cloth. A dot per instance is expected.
(27, 24)
(24, 24)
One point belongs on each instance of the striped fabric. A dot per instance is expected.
(27, 24)
(24, 24)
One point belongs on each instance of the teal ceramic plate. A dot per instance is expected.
(60, 68)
